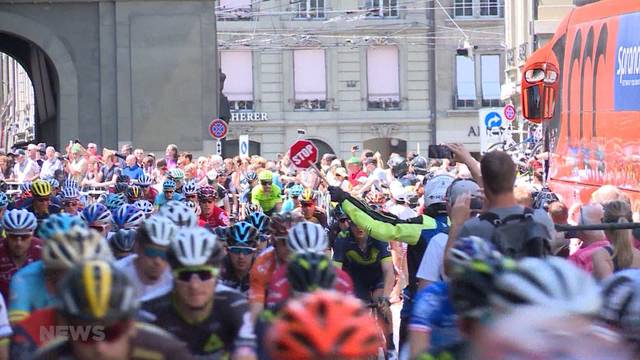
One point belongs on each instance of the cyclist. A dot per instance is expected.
(177, 175)
(168, 193)
(368, 262)
(261, 222)
(226, 191)
(179, 213)
(267, 194)
(211, 318)
(148, 192)
(308, 209)
(148, 269)
(146, 207)
(190, 190)
(114, 201)
(122, 242)
(66, 242)
(70, 201)
(242, 241)
(250, 181)
(128, 217)
(4, 203)
(301, 331)
(134, 193)
(97, 295)
(620, 310)
(293, 201)
(210, 215)
(41, 206)
(19, 248)
(97, 217)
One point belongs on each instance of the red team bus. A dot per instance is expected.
(584, 87)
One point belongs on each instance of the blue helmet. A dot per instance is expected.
(114, 201)
(260, 221)
(128, 217)
(4, 200)
(70, 193)
(59, 223)
(122, 240)
(145, 180)
(25, 187)
(296, 190)
(54, 182)
(190, 188)
(70, 183)
(242, 234)
(168, 185)
(96, 215)
(19, 222)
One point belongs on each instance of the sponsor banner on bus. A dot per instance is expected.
(627, 75)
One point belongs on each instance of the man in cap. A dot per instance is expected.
(25, 169)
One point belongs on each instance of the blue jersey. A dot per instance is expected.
(161, 199)
(433, 313)
(287, 206)
(28, 291)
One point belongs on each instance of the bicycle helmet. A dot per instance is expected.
(307, 237)
(435, 190)
(551, 282)
(296, 190)
(242, 234)
(134, 192)
(59, 224)
(281, 223)
(70, 183)
(128, 217)
(122, 240)
(168, 185)
(399, 166)
(176, 174)
(53, 182)
(70, 193)
(146, 207)
(25, 187)
(420, 165)
(4, 200)
(65, 249)
(19, 222)
(179, 213)
(621, 303)
(97, 291)
(40, 188)
(3, 186)
(195, 247)
(251, 176)
(206, 192)
(308, 195)
(194, 207)
(160, 230)
(123, 179)
(250, 209)
(145, 180)
(122, 188)
(265, 175)
(96, 215)
(212, 175)
(190, 188)
(301, 332)
(260, 221)
(114, 201)
(309, 271)
(472, 248)
(543, 198)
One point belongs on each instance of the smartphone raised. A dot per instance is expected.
(440, 152)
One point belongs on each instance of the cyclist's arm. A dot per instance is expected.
(19, 302)
(389, 275)
(418, 343)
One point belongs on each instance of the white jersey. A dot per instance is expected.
(144, 291)
(5, 328)
(432, 264)
(402, 212)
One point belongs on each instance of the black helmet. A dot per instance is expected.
(543, 198)
(122, 178)
(399, 166)
(419, 164)
(97, 291)
(309, 271)
(122, 188)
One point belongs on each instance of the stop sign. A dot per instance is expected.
(303, 153)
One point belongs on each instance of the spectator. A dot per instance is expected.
(377, 176)
(110, 171)
(523, 195)
(50, 164)
(592, 240)
(560, 216)
(132, 169)
(77, 165)
(139, 154)
(171, 156)
(148, 165)
(5, 167)
(25, 169)
(33, 153)
(356, 175)
(93, 172)
(184, 159)
(92, 150)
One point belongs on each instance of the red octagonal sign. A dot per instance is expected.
(303, 154)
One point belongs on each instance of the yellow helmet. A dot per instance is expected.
(308, 195)
(41, 188)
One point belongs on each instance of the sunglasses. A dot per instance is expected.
(241, 250)
(41, 199)
(306, 204)
(191, 196)
(203, 273)
(208, 201)
(69, 202)
(111, 333)
(168, 191)
(154, 252)
(98, 228)
(265, 182)
(344, 220)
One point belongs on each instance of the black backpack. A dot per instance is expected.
(519, 235)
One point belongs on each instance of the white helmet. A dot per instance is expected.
(64, 250)
(307, 237)
(179, 213)
(552, 282)
(435, 190)
(195, 247)
(161, 231)
(146, 206)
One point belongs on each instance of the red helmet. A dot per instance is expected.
(324, 325)
(206, 192)
(281, 223)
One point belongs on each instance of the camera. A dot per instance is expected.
(440, 152)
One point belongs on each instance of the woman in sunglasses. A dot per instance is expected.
(242, 243)
(213, 320)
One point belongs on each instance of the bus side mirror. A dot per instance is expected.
(539, 93)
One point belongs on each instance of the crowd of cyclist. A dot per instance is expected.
(254, 259)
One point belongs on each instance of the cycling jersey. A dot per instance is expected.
(227, 328)
(267, 201)
(263, 268)
(433, 313)
(278, 290)
(217, 218)
(228, 278)
(8, 267)
(145, 291)
(27, 337)
(161, 199)
(28, 291)
(149, 342)
(364, 266)
(287, 206)
(150, 195)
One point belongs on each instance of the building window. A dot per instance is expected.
(465, 82)
(310, 79)
(230, 10)
(463, 8)
(309, 9)
(490, 76)
(238, 86)
(382, 8)
(383, 80)
(489, 7)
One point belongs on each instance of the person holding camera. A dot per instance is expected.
(50, 164)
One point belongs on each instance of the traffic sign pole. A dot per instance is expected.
(219, 147)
